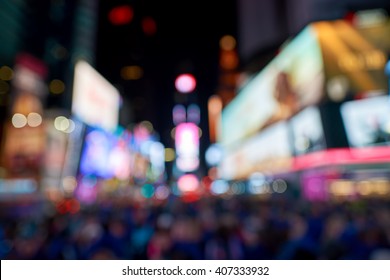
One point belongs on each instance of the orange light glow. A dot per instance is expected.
(227, 43)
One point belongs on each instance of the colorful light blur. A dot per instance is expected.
(187, 146)
(214, 155)
(179, 114)
(133, 72)
(121, 15)
(147, 191)
(188, 183)
(57, 86)
(149, 26)
(6, 73)
(106, 155)
(64, 124)
(193, 113)
(227, 43)
(19, 120)
(95, 100)
(169, 154)
(185, 83)
(219, 187)
(34, 119)
(214, 112)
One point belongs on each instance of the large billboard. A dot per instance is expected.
(267, 152)
(95, 101)
(293, 80)
(187, 146)
(354, 57)
(327, 61)
(367, 121)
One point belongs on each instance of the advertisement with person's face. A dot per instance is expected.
(294, 79)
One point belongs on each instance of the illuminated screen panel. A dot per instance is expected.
(269, 151)
(308, 131)
(187, 146)
(367, 121)
(354, 55)
(292, 80)
(95, 100)
(105, 155)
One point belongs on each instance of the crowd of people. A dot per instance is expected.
(241, 227)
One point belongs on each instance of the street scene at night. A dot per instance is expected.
(194, 130)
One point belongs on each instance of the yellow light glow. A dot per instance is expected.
(61, 123)
(57, 86)
(148, 125)
(69, 184)
(169, 154)
(227, 43)
(4, 87)
(6, 73)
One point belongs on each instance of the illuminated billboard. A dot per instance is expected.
(327, 61)
(367, 121)
(95, 101)
(187, 146)
(308, 131)
(105, 155)
(294, 79)
(267, 152)
(354, 56)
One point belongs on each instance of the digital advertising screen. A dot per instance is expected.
(269, 151)
(308, 131)
(105, 155)
(292, 80)
(367, 121)
(187, 146)
(355, 53)
(95, 101)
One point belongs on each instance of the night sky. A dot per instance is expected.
(186, 40)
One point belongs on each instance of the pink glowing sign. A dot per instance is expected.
(185, 83)
(187, 146)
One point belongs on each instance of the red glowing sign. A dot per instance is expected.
(121, 15)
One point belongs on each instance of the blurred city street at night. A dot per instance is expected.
(176, 130)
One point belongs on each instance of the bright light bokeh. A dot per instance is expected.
(227, 43)
(57, 86)
(121, 15)
(169, 154)
(19, 120)
(193, 113)
(34, 119)
(185, 83)
(214, 155)
(188, 183)
(187, 146)
(6, 73)
(179, 114)
(219, 187)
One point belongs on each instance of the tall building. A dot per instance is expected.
(265, 25)
(41, 42)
